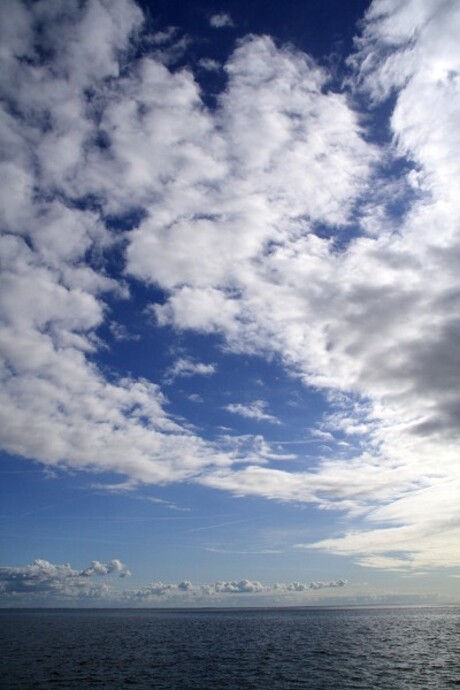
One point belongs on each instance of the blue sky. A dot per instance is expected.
(229, 303)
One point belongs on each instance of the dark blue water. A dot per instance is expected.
(231, 650)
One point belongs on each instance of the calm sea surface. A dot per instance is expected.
(268, 649)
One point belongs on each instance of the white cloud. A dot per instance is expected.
(221, 20)
(310, 586)
(195, 398)
(224, 589)
(234, 587)
(184, 367)
(117, 488)
(254, 410)
(412, 539)
(322, 435)
(97, 568)
(264, 162)
(376, 320)
(43, 580)
(53, 243)
(251, 449)
(210, 65)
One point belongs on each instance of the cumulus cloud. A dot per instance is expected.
(216, 590)
(271, 221)
(114, 566)
(57, 175)
(309, 586)
(254, 410)
(44, 580)
(159, 589)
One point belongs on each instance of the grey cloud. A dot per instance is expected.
(185, 586)
(43, 579)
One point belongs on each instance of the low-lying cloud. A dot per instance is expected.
(215, 590)
(43, 581)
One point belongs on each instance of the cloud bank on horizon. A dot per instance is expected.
(43, 582)
(275, 221)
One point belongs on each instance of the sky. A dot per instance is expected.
(229, 302)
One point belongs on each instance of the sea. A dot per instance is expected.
(230, 649)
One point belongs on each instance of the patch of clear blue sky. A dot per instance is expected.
(193, 533)
(319, 27)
